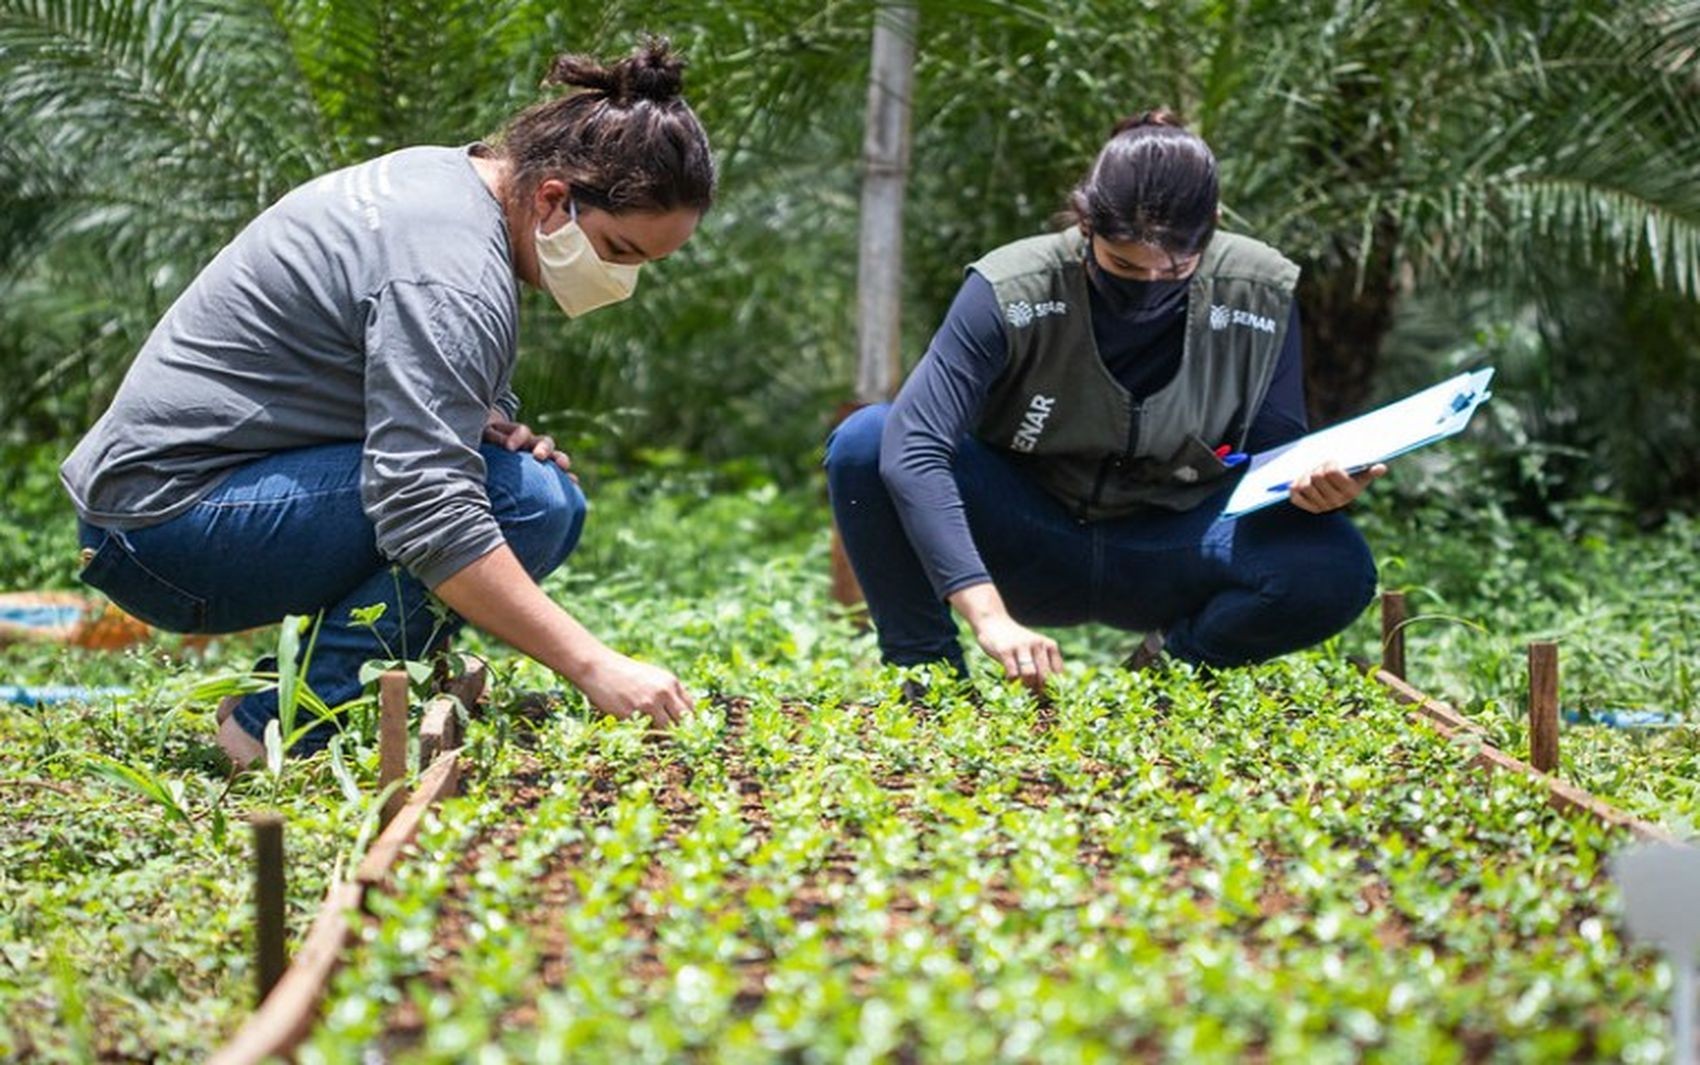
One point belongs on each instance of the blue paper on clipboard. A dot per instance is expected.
(1432, 414)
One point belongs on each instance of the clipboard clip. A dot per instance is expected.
(1462, 402)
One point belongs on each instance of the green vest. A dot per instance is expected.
(1058, 413)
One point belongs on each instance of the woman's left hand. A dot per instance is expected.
(514, 436)
(1328, 487)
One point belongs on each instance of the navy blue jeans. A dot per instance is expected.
(286, 534)
(1225, 593)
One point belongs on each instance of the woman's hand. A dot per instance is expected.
(1024, 654)
(514, 436)
(497, 595)
(1328, 487)
(623, 686)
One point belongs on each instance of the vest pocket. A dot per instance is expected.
(142, 593)
(1194, 462)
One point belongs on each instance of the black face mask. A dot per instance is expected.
(1137, 301)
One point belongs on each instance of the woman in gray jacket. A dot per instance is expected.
(323, 420)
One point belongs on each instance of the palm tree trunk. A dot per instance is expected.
(1346, 310)
(879, 271)
(885, 172)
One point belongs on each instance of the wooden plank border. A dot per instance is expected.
(1433, 709)
(287, 1014)
(1459, 729)
(433, 784)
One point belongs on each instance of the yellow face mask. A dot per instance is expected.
(575, 275)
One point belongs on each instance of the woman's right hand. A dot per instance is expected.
(1024, 654)
(497, 595)
(623, 686)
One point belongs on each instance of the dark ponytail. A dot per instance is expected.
(624, 140)
(1153, 183)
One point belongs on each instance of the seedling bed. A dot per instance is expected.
(1268, 865)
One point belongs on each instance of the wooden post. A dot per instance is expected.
(270, 939)
(439, 730)
(392, 739)
(846, 589)
(1393, 633)
(1543, 706)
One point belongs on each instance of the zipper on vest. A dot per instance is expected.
(1084, 514)
(1135, 412)
(1118, 463)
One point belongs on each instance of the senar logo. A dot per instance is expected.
(1221, 317)
(1021, 313)
(1033, 423)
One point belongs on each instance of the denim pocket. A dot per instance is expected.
(141, 592)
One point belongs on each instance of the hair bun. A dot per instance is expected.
(652, 72)
(582, 72)
(1157, 116)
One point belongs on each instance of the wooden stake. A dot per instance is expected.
(392, 740)
(270, 950)
(846, 590)
(439, 730)
(1543, 706)
(1393, 633)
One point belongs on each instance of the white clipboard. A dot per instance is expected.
(1432, 414)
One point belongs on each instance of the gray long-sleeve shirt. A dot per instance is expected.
(374, 304)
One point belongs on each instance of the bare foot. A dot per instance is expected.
(226, 707)
(243, 749)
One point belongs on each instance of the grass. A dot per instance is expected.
(126, 860)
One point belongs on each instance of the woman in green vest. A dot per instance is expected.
(1062, 453)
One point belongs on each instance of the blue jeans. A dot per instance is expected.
(286, 534)
(1225, 593)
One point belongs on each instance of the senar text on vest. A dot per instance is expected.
(1221, 317)
(1033, 423)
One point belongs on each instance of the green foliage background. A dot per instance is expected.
(1463, 182)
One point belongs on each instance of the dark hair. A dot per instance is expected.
(625, 141)
(1153, 183)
